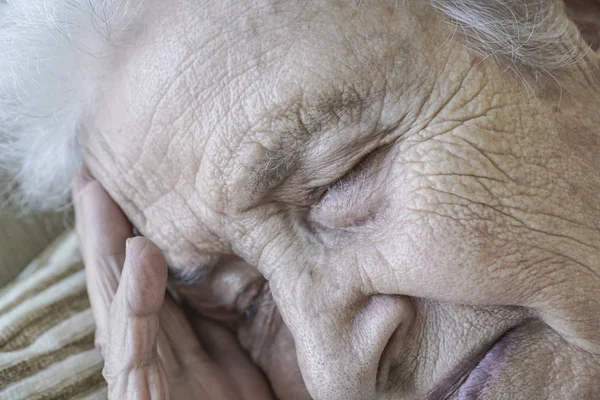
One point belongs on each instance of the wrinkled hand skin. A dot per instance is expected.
(358, 189)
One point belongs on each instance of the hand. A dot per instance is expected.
(152, 350)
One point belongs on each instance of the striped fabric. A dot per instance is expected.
(47, 330)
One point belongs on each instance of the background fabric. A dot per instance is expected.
(23, 238)
(47, 330)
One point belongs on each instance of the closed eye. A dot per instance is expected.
(349, 201)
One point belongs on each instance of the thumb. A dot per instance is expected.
(132, 366)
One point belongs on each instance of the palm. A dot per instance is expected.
(202, 360)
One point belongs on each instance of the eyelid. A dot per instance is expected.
(351, 201)
(348, 203)
(349, 175)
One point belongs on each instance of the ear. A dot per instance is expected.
(586, 15)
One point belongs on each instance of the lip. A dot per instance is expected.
(470, 377)
(477, 380)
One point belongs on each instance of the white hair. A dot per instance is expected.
(51, 52)
(532, 33)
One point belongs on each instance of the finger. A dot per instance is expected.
(230, 375)
(279, 362)
(178, 345)
(271, 346)
(101, 221)
(226, 352)
(132, 366)
(184, 355)
(102, 229)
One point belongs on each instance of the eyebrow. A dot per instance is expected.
(279, 161)
(301, 124)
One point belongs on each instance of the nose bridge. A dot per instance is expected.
(340, 334)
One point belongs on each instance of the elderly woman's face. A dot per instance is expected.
(420, 219)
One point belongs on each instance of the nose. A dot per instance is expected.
(341, 344)
(340, 323)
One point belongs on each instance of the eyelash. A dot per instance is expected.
(348, 177)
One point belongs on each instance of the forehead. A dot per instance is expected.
(226, 76)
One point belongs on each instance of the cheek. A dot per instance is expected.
(435, 232)
(443, 245)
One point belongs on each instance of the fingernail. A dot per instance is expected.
(127, 242)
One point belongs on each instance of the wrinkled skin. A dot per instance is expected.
(407, 202)
(152, 346)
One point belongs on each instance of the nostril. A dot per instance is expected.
(345, 354)
(391, 316)
(396, 346)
